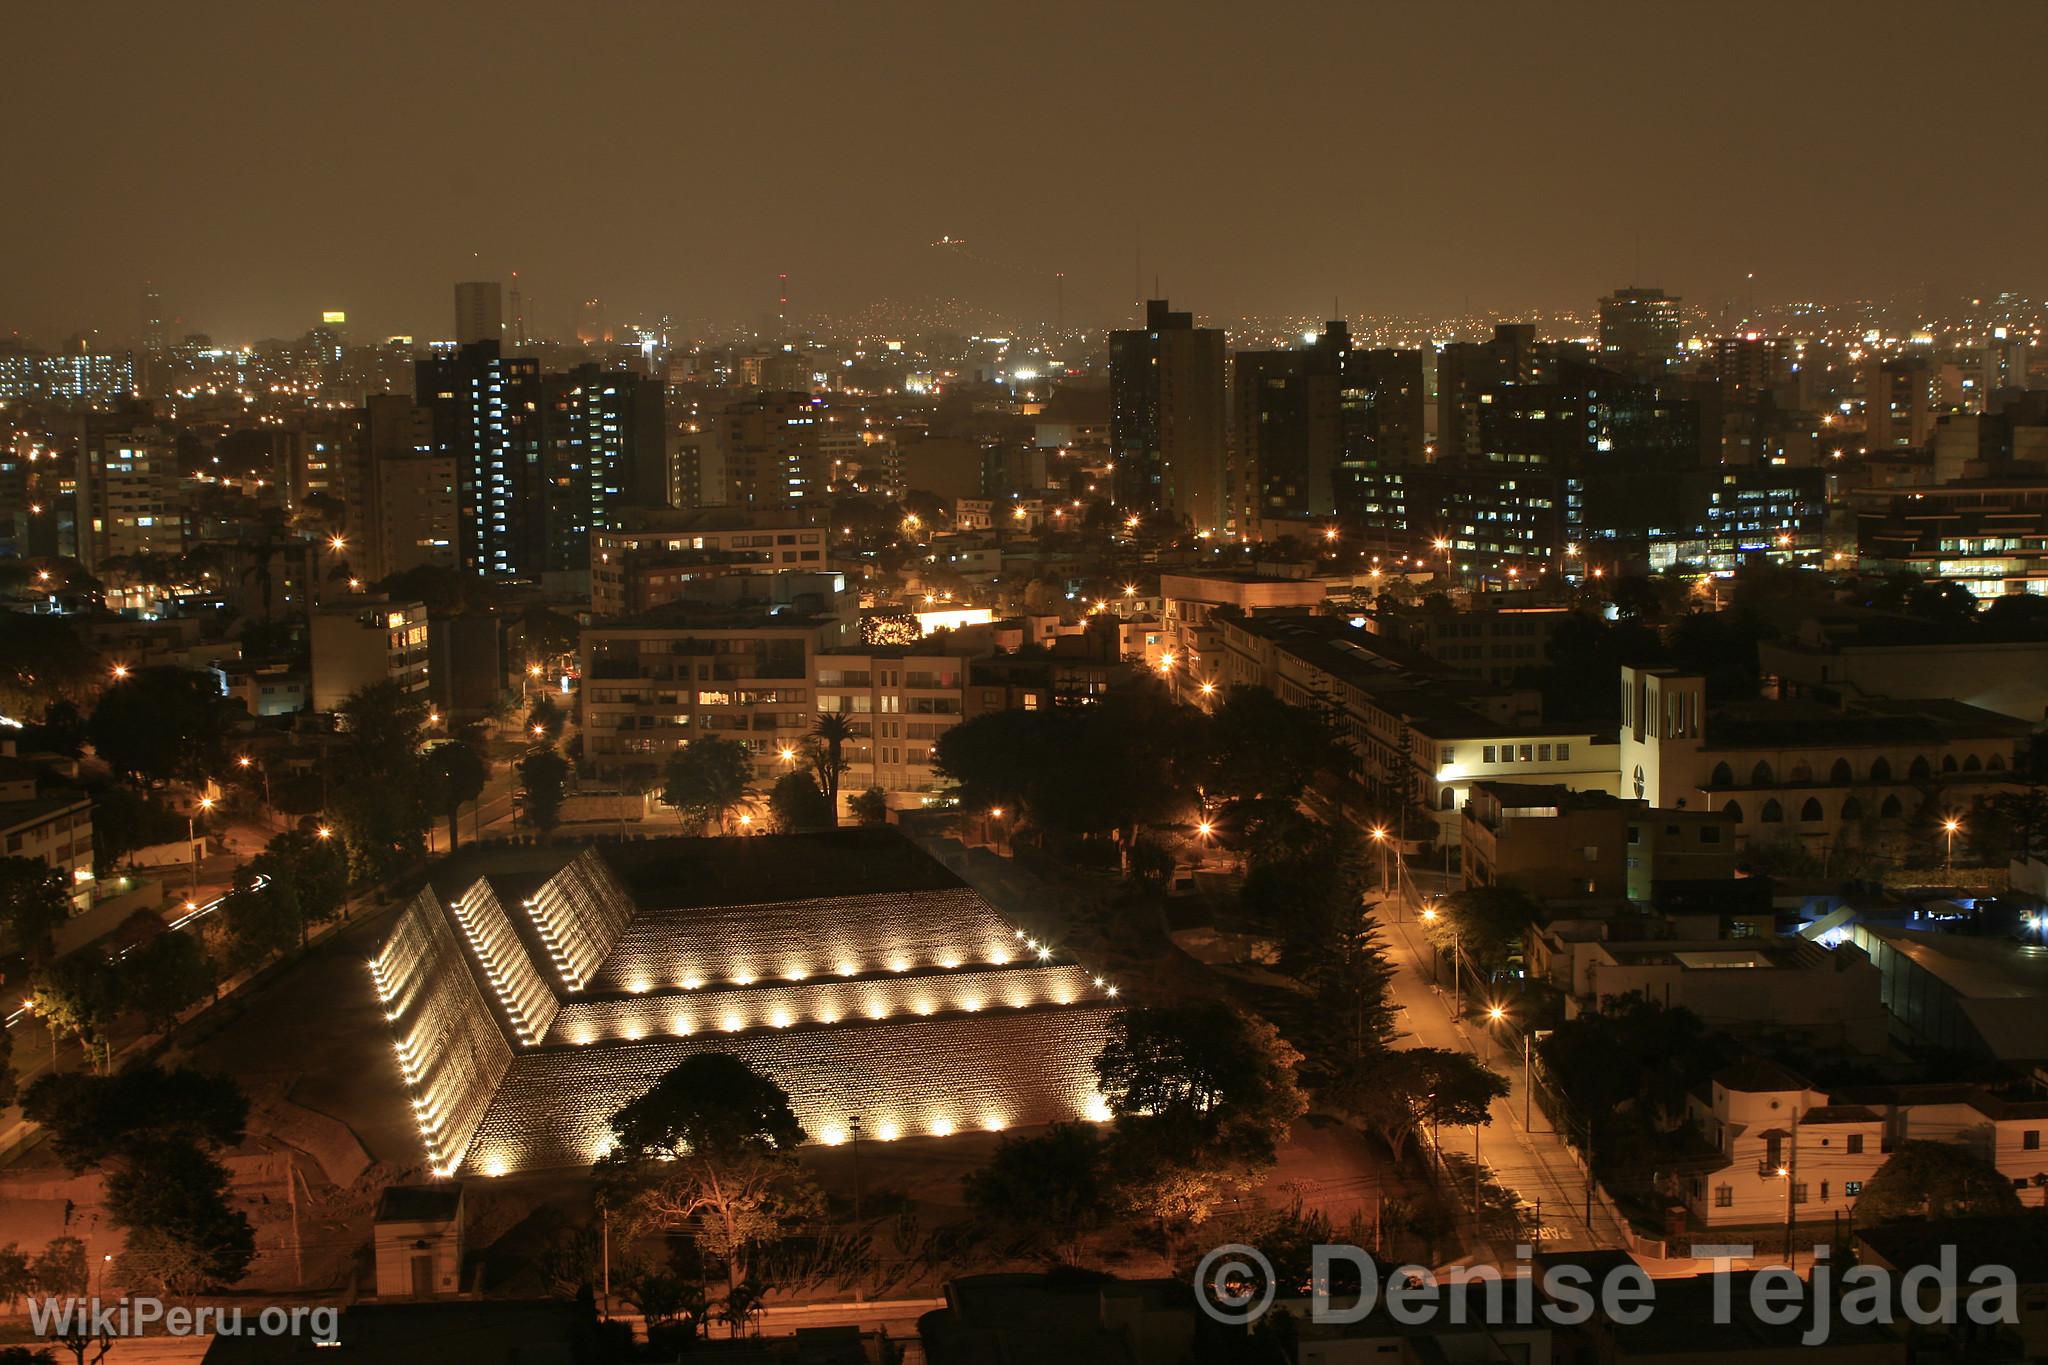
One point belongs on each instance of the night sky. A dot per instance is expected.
(264, 162)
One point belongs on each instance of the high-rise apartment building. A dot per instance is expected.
(1167, 429)
(768, 451)
(128, 499)
(479, 312)
(486, 415)
(605, 446)
(1640, 331)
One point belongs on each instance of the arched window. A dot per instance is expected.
(1971, 765)
(1773, 813)
(1919, 772)
(1890, 809)
(1840, 772)
(1801, 772)
(1996, 763)
(1880, 770)
(1724, 776)
(1948, 763)
(1733, 810)
(1810, 812)
(1450, 798)
(1760, 775)
(1852, 809)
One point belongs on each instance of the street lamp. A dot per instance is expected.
(1379, 836)
(191, 839)
(120, 672)
(1949, 827)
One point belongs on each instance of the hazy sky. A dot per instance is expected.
(264, 162)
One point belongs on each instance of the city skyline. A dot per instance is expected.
(1367, 165)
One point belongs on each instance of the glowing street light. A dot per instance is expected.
(323, 833)
(120, 672)
(337, 543)
(1379, 836)
(1951, 826)
(1208, 689)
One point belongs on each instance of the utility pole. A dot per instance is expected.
(1526, 1073)
(1791, 1185)
(853, 1128)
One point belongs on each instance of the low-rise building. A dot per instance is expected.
(1980, 997)
(1800, 768)
(1745, 987)
(54, 829)
(1562, 845)
(1789, 1149)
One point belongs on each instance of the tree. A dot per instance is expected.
(59, 1270)
(263, 917)
(43, 660)
(80, 996)
(457, 773)
(15, 1278)
(707, 780)
(1207, 1070)
(380, 789)
(797, 804)
(35, 899)
(163, 976)
(97, 1119)
(1486, 923)
(1404, 1090)
(1261, 746)
(544, 720)
(828, 756)
(1923, 1179)
(1052, 1189)
(172, 1198)
(546, 775)
(312, 870)
(710, 1148)
(870, 807)
(160, 723)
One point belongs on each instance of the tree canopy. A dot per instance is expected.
(710, 1148)
(708, 780)
(1923, 1179)
(161, 723)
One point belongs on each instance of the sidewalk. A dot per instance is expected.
(1531, 1161)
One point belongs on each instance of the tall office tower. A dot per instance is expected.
(487, 418)
(129, 497)
(1167, 432)
(604, 447)
(479, 312)
(1302, 420)
(1468, 370)
(1640, 331)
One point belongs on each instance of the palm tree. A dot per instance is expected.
(833, 730)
